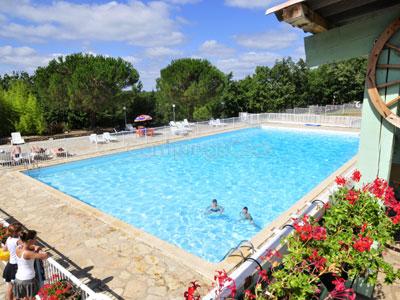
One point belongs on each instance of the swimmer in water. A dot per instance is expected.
(244, 214)
(214, 207)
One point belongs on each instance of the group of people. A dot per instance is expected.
(216, 208)
(19, 273)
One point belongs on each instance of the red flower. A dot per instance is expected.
(317, 261)
(249, 295)
(363, 244)
(381, 189)
(341, 181)
(365, 225)
(263, 276)
(319, 233)
(340, 291)
(352, 196)
(356, 176)
(189, 294)
(307, 232)
(224, 281)
(271, 253)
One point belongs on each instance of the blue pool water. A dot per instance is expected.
(164, 190)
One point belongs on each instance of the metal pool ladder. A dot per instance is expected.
(241, 244)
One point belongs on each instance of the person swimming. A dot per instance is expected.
(214, 207)
(244, 214)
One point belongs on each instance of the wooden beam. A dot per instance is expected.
(394, 47)
(392, 102)
(302, 16)
(387, 66)
(282, 6)
(386, 84)
(321, 4)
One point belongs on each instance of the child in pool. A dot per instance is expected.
(214, 207)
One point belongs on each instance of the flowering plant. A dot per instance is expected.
(3, 233)
(59, 289)
(347, 242)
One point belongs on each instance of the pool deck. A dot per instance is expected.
(129, 262)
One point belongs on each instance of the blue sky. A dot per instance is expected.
(235, 35)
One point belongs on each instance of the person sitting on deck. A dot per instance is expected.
(37, 149)
(215, 208)
(16, 152)
(244, 214)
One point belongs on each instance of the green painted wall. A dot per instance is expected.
(348, 41)
(354, 40)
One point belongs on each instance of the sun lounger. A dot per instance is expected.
(178, 131)
(109, 138)
(186, 123)
(16, 139)
(40, 153)
(130, 127)
(218, 123)
(59, 152)
(97, 139)
(180, 125)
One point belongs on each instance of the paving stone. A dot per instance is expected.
(130, 265)
(158, 291)
(136, 289)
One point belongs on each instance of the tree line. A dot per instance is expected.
(85, 91)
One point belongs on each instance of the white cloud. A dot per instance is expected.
(212, 48)
(132, 59)
(158, 52)
(244, 64)
(23, 58)
(142, 24)
(272, 39)
(249, 3)
(183, 1)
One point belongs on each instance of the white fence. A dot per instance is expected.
(34, 153)
(53, 271)
(354, 107)
(311, 120)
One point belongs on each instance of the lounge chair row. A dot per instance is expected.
(216, 123)
(15, 156)
(106, 137)
(180, 128)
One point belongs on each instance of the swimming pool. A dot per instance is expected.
(164, 190)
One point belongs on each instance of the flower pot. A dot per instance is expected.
(327, 280)
(362, 287)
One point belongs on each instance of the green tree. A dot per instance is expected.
(27, 116)
(6, 116)
(82, 87)
(189, 84)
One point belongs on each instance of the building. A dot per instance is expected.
(342, 29)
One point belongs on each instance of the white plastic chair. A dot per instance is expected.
(178, 131)
(129, 127)
(16, 138)
(218, 122)
(182, 126)
(94, 138)
(109, 138)
(186, 123)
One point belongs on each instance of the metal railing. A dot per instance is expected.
(53, 272)
(33, 154)
(347, 108)
(311, 120)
